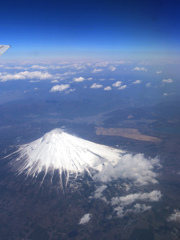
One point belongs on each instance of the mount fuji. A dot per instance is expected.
(60, 181)
(65, 153)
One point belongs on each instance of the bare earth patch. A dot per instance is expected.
(127, 133)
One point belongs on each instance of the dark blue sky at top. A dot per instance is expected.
(124, 29)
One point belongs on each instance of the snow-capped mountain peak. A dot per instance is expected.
(58, 150)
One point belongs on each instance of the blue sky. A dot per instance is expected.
(91, 29)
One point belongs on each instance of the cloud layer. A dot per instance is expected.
(25, 75)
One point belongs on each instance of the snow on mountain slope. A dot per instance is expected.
(58, 150)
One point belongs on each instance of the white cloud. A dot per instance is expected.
(140, 208)
(98, 192)
(117, 84)
(175, 216)
(85, 219)
(59, 88)
(97, 70)
(169, 80)
(153, 196)
(148, 85)
(137, 208)
(79, 79)
(89, 79)
(120, 211)
(55, 81)
(122, 87)
(123, 203)
(136, 168)
(137, 82)
(107, 88)
(158, 72)
(25, 75)
(140, 69)
(95, 85)
(112, 69)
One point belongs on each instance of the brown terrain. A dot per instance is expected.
(127, 133)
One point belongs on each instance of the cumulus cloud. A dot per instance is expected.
(97, 70)
(107, 88)
(55, 81)
(112, 69)
(140, 69)
(137, 82)
(85, 219)
(175, 216)
(79, 79)
(158, 72)
(153, 196)
(140, 208)
(120, 211)
(95, 85)
(131, 167)
(123, 202)
(89, 79)
(25, 75)
(137, 208)
(169, 80)
(117, 84)
(59, 88)
(122, 87)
